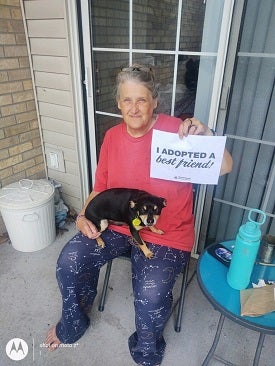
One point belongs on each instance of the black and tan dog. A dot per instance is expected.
(136, 208)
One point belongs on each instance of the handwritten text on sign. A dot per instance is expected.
(193, 159)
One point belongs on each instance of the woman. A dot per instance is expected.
(125, 162)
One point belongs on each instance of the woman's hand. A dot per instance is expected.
(192, 126)
(86, 227)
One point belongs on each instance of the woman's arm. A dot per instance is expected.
(227, 163)
(84, 225)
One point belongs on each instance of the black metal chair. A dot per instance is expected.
(179, 302)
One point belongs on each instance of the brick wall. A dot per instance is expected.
(20, 143)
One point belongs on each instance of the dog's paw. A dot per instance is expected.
(156, 230)
(149, 255)
(100, 243)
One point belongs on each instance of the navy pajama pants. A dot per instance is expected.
(153, 279)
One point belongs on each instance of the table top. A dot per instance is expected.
(212, 279)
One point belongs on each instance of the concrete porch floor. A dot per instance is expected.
(30, 304)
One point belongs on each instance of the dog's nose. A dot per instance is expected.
(150, 221)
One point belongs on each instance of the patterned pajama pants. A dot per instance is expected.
(77, 274)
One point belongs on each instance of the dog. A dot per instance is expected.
(136, 208)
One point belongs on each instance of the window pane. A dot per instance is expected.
(201, 25)
(110, 19)
(187, 80)
(253, 99)
(103, 123)
(192, 21)
(259, 27)
(154, 24)
(107, 65)
(205, 87)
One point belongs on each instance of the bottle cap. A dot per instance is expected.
(258, 212)
(251, 230)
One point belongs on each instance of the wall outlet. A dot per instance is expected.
(55, 159)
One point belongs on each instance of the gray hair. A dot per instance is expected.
(143, 74)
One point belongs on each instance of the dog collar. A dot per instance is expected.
(136, 221)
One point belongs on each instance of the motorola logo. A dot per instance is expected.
(17, 349)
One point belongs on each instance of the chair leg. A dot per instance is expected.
(182, 296)
(105, 286)
(215, 342)
(259, 349)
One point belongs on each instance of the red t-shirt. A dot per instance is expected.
(125, 162)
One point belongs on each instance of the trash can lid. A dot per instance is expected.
(26, 194)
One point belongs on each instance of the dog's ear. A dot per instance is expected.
(162, 201)
(132, 204)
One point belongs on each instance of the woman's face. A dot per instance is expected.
(137, 106)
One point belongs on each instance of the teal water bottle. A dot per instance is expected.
(245, 251)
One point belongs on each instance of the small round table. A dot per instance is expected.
(212, 280)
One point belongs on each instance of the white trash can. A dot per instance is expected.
(27, 208)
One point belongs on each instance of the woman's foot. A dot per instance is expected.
(52, 341)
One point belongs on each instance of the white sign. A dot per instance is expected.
(193, 159)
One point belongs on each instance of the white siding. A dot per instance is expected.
(56, 111)
(44, 9)
(52, 80)
(54, 96)
(59, 65)
(59, 126)
(49, 47)
(53, 138)
(54, 28)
